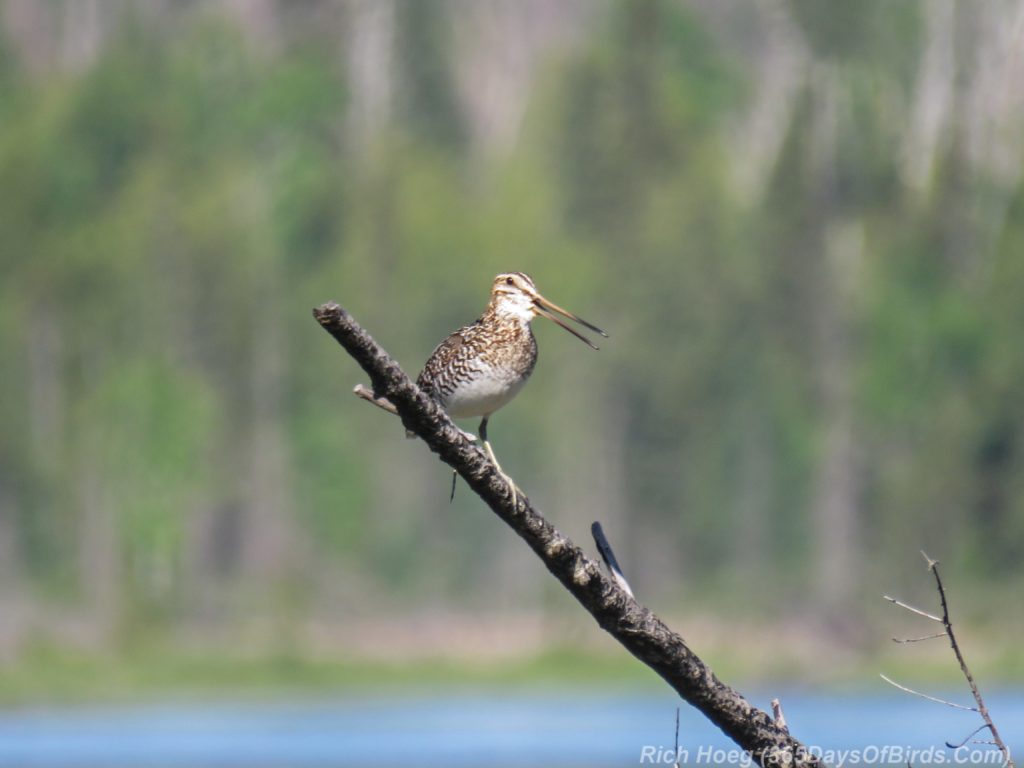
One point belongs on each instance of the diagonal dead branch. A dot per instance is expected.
(639, 630)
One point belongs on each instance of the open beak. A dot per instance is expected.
(547, 309)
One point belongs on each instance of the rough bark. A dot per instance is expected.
(639, 630)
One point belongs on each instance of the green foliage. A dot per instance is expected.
(869, 33)
(428, 107)
(172, 212)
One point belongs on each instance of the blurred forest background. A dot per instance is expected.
(801, 222)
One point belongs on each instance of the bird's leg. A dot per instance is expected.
(493, 458)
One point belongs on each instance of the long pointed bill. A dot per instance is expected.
(543, 306)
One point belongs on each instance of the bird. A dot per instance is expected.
(480, 368)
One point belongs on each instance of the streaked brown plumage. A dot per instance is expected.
(477, 369)
(481, 367)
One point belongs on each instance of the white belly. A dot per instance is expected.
(482, 395)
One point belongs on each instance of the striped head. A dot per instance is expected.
(514, 296)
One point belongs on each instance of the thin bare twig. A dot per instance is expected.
(937, 700)
(912, 609)
(933, 566)
(676, 763)
(970, 737)
(947, 625)
(918, 639)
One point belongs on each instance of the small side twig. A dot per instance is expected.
(969, 739)
(676, 763)
(912, 609)
(918, 639)
(367, 394)
(936, 699)
(777, 713)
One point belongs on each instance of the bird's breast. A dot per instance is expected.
(483, 392)
(480, 383)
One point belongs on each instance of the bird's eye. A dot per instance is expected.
(509, 280)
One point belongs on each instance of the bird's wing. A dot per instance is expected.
(453, 348)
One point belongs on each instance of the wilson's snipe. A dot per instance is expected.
(480, 368)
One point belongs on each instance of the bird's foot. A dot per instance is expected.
(501, 473)
(511, 484)
(512, 487)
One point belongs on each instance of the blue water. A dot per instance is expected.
(574, 728)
